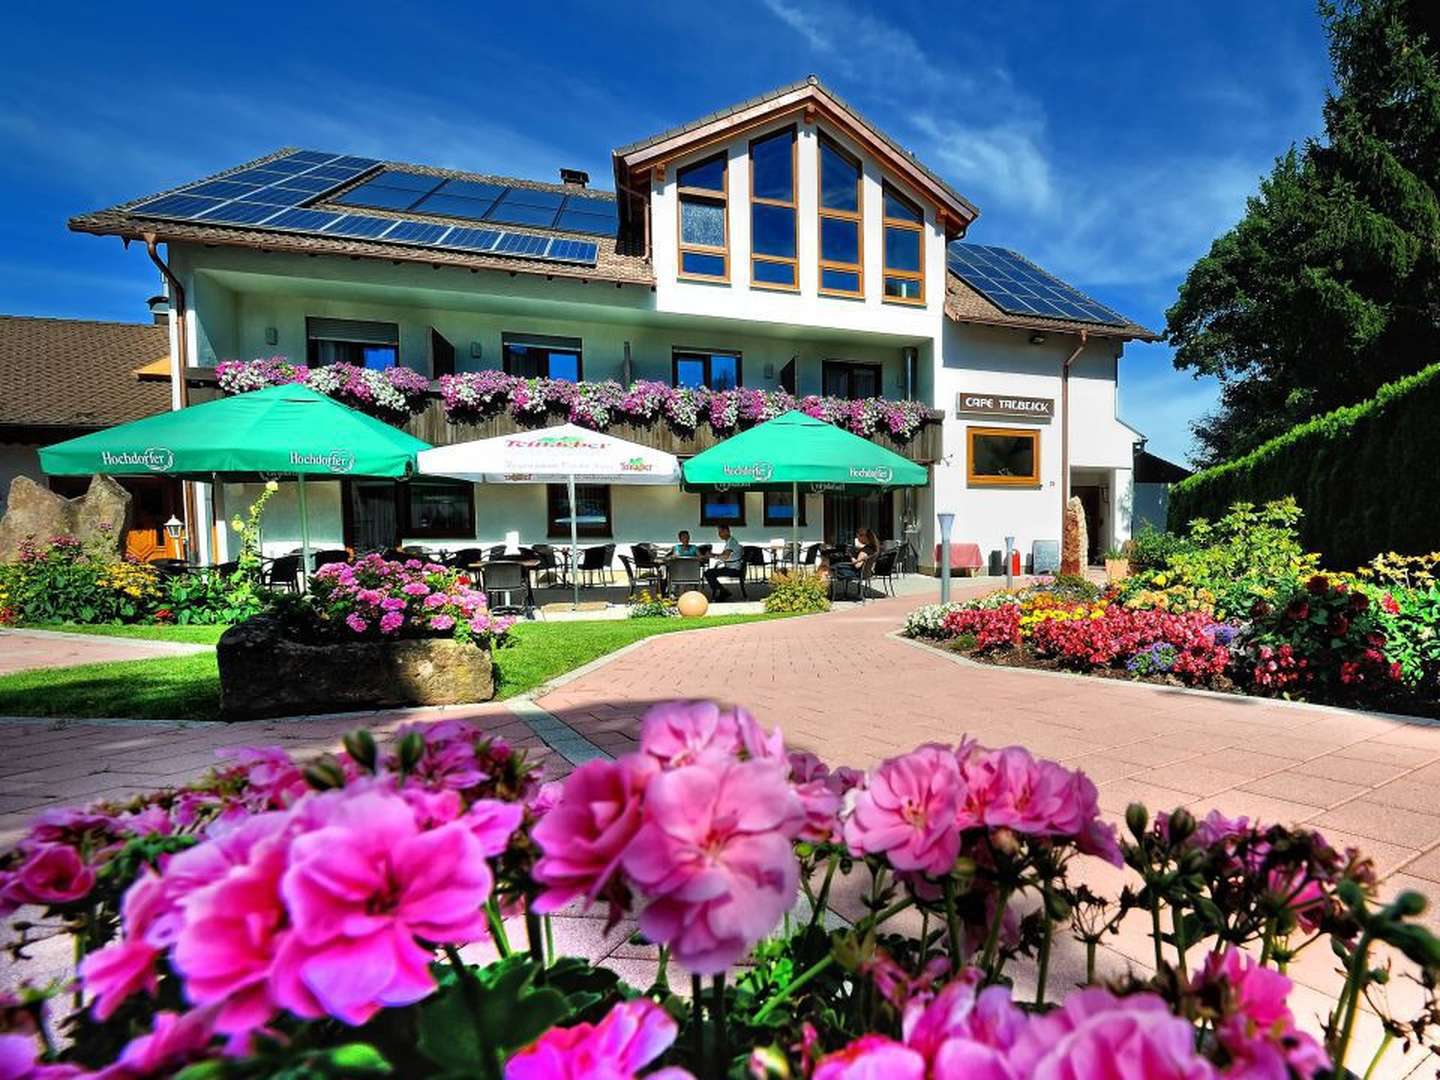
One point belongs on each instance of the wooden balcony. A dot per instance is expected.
(925, 447)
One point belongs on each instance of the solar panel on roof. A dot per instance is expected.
(453, 206)
(473, 239)
(1019, 287)
(310, 157)
(586, 220)
(176, 205)
(361, 226)
(472, 189)
(521, 244)
(303, 220)
(580, 251)
(239, 212)
(520, 214)
(223, 189)
(381, 198)
(394, 178)
(417, 232)
(287, 165)
(312, 184)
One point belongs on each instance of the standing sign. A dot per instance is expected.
(1008, 405)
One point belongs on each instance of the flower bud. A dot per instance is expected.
(1005, 841)
(360, 745)
(1137, 819)
(1182, 825)
(1410, 903)
(768, 1063)
(324, 774)
(412, 748)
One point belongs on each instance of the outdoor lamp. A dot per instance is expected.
(947, 522)
(174, 527)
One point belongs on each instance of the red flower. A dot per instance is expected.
(1387, 602)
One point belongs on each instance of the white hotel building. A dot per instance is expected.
(784, 242)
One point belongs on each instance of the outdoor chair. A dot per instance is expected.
(550, 563)
(861, 581)
(331, 555)
(706, 550)
(463, 558)
(171, 567)
(647, 567)
(684, 575)
(812, 555)
(505, 579)
(631, 580)
(224, 569)
(495, 552)
(595, 560)
(752, 557)
(284, 573)
(884, 570)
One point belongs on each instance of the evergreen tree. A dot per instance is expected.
(1329, 286)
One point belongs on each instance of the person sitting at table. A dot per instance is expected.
(728, 560)
(685, 549)
(866, 548)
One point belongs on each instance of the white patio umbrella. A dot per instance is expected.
(548, 455)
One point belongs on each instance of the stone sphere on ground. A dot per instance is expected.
(693, 604)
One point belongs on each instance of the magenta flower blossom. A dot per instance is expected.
(127, 966)
(1258, 1030)
(585, 834)
(18, 1061)
(633, 1034)
(1094, 1033)
(359, 891)
(871, 1057)
(176, 1040)
(907, 812)
(714, 859)
(390, 622)
(962, 1032)
(681, 733)
(356, 623)
(53, 874)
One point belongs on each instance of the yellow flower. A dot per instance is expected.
(271, 486)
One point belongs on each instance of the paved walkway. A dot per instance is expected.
(21, 650)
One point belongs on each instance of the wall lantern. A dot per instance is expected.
(174, 527)
(272, 336)
(1037, 339)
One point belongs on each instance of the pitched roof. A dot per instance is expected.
(810, 90)
(611, 264)
(78, 373)
(964, 304)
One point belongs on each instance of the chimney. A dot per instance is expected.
(574, 178)
(159, 309)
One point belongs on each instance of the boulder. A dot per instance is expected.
(1075, 542)
(266, 672)
(99, 519)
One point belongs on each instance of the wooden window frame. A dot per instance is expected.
(887, 222)
(554, 493)
(793, 206)
(676, 352)
(849, 365)
(858, 217)
(1032, 481)
(723, 197)
(715, 523)
(779, 523)
(548, 343)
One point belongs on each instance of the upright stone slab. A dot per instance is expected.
(1076, 541)
(99, 519)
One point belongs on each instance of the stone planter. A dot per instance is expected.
(1116, 570)
(265, 673)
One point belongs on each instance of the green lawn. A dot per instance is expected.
(192, 635)
(188, 687)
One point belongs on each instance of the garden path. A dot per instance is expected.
(23, 650)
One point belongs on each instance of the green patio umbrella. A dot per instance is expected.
(278, 431)
(796, 452)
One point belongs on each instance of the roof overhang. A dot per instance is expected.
(638, 163)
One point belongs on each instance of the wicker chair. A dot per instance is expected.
(684, 576)
(502, 578)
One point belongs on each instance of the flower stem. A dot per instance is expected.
(471, 991)
(1350, 1001)
(662, 973)
(549, 941)
(952, 926)
(697, 1022)
(722, 1037)
(497, 928)
(818, 903)
(535, 936)
(1177, 922)
(1089, 963)
(1044, 974)
(992, 940)
(1155, 931)
(1379, 1053)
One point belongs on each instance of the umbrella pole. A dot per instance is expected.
(304, 533)
(794, 526)
(574, 546)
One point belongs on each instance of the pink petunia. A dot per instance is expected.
(360, 890)
(585, 834)
(713, 858)
(871, 1057)
(681, 733)
(632, 1034)
(907, 812)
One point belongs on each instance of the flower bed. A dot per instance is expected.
(305, 919)
(396, 393)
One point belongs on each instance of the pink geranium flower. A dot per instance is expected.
(871, 1057)
(682, 733)
(1096, 1033)
(54, 874)
(175, 1041)
(714, 858)
(587, 831)
(962, 1032)
(127, 966)
(18, 1061)
(1258, 1030)
(633, 1034)
(907, 812)
(360, 890)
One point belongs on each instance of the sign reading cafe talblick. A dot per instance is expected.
(1030, 408)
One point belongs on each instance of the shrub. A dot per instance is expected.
(798, 593)
(64, 581)
(1410, 619)
(1365, 474)
(376, 598)
(1151, 549)
(647, 606)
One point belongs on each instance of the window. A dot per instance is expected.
(351, 341)
(439, 508)
(1003, 457)
(593, 518)
(773, 261)
(851, 381)
(904, 249)
(779, 511)
(841, 224)
(535, 357)
(704, 237)
(697, 368)
(722, 508)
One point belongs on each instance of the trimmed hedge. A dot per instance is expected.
(1367, 476)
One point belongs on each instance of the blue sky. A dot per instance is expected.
(1109, 141)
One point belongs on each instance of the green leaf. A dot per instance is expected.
(477, 1017)
(359, 1059)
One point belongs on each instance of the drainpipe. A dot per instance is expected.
(1065, 431)
(181, 397)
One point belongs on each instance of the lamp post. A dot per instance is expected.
(1009, 563)
(947, 522)
(174, 529)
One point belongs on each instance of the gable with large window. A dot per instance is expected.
(904, 249)
(841, 222)
(537, 356)
(694, 368)
(351, 341)
(704, 234)
(773, 243)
